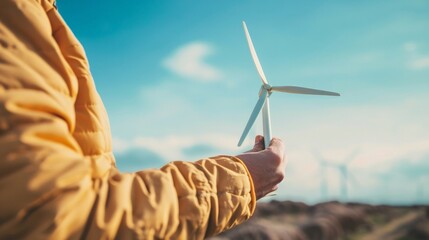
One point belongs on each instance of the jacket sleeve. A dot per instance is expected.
(50, 189)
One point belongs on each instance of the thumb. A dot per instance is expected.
(259, 144)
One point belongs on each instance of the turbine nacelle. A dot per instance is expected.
(267, 87)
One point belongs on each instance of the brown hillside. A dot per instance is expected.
(333, 220)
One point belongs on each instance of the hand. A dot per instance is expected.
(266, 166)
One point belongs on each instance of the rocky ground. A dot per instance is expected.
(333, 220)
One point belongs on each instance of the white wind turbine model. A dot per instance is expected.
(264, 94)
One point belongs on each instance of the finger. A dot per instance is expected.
(276, 144)
(275, 188)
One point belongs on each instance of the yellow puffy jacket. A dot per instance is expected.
(58, 178)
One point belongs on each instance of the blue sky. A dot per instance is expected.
(179, 83)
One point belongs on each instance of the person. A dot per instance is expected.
(57, 172)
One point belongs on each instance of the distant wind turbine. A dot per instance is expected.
(344, 174)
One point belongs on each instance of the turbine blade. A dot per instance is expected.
(253, 116)
(254, 55)
(301, 90)
(351, 157)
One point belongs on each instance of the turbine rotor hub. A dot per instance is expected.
(267, 87)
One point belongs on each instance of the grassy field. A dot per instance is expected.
(333, 220)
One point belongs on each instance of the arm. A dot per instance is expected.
(51, 189)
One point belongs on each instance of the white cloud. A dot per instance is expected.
(380, 132)
(188, 61)
(420, 63)
(119, 145)
(416, 61)
(171, 147)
